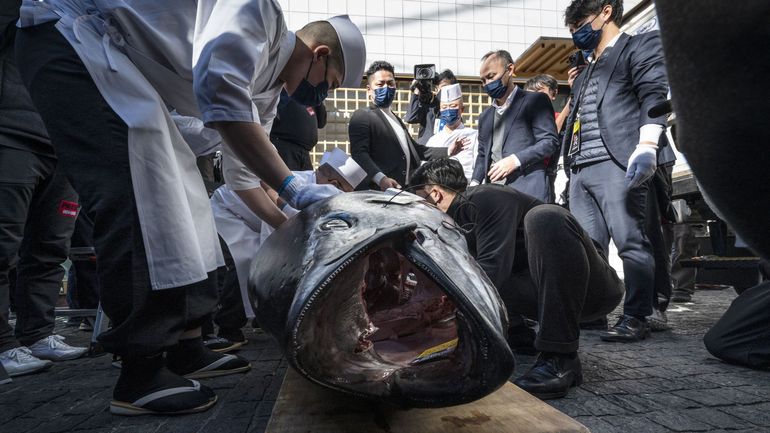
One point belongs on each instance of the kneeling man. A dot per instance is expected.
(542, 262)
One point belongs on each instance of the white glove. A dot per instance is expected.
(300, 195)
(641, 165)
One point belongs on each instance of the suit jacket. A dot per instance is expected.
(530, 134)
(375, 147)
(634, 81)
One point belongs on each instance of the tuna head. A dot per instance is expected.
(378, 296)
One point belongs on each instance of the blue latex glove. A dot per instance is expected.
(300, 195)
(641, 165)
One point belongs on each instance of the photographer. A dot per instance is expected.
(424, 105)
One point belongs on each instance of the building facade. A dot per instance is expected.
(452, 34)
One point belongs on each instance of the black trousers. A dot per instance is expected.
(606, 208)
(36, 222)
(569, 280)
(684, 246)
(742, 335)
(229, 316)
(91, 143)
(82, 283)
(297, 158)
(659, 214)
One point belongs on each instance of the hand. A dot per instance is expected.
(501, 169)
(387, 182)
(572, 74)
(300, 195)
(641, 165)
(459, 145)
(415, 88)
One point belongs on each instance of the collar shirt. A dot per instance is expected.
(501, 108)
(400, 132)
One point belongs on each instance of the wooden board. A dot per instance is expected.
(305, 407)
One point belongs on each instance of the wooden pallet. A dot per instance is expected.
(305, 407)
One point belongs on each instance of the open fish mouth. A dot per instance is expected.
(377, 296)
(383, 321)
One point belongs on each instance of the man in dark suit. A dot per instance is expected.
(379, 140)
(612, 145)
(544, 266)
(517, 133)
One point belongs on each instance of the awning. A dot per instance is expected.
(546, 56)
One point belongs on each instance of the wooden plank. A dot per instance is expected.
(303, 406)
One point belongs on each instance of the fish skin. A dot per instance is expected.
(287, 284)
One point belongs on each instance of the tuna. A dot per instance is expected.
(376, 295)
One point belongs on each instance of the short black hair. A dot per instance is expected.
(378, 65)
(446, 172)
(504, 55)
(579, 10)
(542, 80)
(448, 75)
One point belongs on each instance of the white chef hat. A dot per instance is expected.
(344, 165)
(353, 50)
(450, 93)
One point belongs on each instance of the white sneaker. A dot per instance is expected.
(658, 321)
(20, 361)
(54, 348)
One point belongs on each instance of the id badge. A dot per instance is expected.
(574, 145)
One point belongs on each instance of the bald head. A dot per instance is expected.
(322, 33)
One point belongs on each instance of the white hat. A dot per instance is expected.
(353, 50)
(451, 92)
(344, 165)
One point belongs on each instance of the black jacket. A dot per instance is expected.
(634, 82)
(495, 216)
(375, 147)
(530, 134)
(423, 114)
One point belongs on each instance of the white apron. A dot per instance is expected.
(243, 232)
(466, 157)
(177, 224)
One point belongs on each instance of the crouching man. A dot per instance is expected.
(244, 219)
(542, 262)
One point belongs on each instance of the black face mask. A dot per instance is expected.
(312, 95)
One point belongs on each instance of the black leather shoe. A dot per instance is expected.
(552, 376)
(628, 329)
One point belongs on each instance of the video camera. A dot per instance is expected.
(425, 77)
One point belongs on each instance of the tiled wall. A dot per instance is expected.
(452, 34)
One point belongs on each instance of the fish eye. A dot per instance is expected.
(335, 224)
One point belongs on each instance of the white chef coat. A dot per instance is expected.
(243, 231)
(215, 60)
(466, 157)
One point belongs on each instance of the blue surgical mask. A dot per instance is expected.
(496, 89)
(383, 96)
(586, 38)
(312, 95)
(450, 116)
